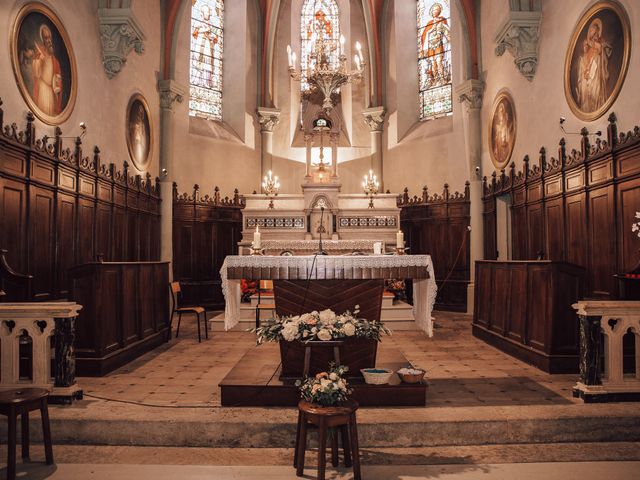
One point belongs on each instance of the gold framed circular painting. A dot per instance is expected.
(139, 131)
(597, 60)
(43, 63)
(502, 130)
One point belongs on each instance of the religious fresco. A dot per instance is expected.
(43, 63)
(205, 72)
(502, 130)
(319, 17)
(434, 58)
(139, 131)
(597, 60)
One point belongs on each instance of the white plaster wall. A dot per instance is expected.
(212, 153)
(100, 103)
(431, 152)
(540, 103)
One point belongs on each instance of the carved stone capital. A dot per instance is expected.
(120, 33)
(374, 118)
(519, 35)
(269, 118)
(170, 92)
(470, 94)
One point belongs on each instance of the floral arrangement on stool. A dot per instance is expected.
(325, 405)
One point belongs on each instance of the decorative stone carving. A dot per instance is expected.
(470, 94)
(374, 117)
(170, 92)
(269, 118)
(519, 35)
(120, 33)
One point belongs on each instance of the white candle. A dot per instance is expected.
(256, 239)
(400, 239)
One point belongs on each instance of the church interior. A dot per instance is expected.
(381, 239)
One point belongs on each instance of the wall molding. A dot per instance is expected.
(120, 33)
(519, 35)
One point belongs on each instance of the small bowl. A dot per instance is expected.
(376, 376)
(412, 377)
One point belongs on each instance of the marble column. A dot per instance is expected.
(590, 350)
(470, 95)
(269, 118)
(308, 142)
(170, 93)
(334, 154)
(374, 117)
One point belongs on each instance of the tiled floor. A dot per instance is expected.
(462, 371)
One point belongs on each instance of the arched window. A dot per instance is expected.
(434, 58)
(205, 72)
(319, 17)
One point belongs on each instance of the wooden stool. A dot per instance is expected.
(21, 402)
(341, 417)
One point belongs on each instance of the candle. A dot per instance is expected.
(256, 239)
(377, 248)
(400, 239)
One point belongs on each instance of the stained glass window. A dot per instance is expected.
(434, 58)
(205, 72)
(319, 18)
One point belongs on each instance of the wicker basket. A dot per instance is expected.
(412, 378)
(376, 376)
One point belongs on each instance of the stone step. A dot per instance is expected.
(97, 422)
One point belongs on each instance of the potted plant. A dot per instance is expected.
(629, 283)
(355, 338)
(326, 388)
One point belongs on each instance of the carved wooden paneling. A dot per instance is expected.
(438, 226)
(58, 209)
(578, 208)
(205, 231)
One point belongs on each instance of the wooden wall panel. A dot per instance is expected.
(579, 207)
(438, 226)
(59, 208)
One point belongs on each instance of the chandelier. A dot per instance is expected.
(323, 76)
(370, 185)
(271, 187)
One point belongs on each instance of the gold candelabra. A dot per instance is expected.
(271, 187)
(370, 185)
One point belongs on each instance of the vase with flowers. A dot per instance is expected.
(327, 388)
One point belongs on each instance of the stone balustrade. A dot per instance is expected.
(37, 348)
(611, 321)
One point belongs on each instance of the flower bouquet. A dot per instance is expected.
(629, 282)
(356, 339)
(326, 388)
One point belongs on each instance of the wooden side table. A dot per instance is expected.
(21, 402)
(343, 418)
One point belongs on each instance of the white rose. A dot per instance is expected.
(290, 332)
(341, 385)
(305, 317)
(328, 317)
(349, 329)
(325, 382)
(333, 376)
(324, 334)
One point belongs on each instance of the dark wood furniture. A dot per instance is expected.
(263, 286)
(255, 382)
(174, 287)
(205, 230)
(436, 225)
(60, 206)
(21, 402)
(340, 417)
(125, 312)
(524, 309)
(18, 285)
(577, 207)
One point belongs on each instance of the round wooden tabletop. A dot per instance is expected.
(344, 408)
(22, 395)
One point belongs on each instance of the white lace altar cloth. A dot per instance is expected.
(417, 267)
(313, 245)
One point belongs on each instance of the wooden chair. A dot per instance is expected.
(21, 402)
(342, 418)
(263, 285)
(176, 294)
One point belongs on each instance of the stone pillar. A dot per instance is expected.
(590, 350)
(470, 95)
(170, 92)
(374, 117)
(334, 154)
(269, 118)
(308, 141)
